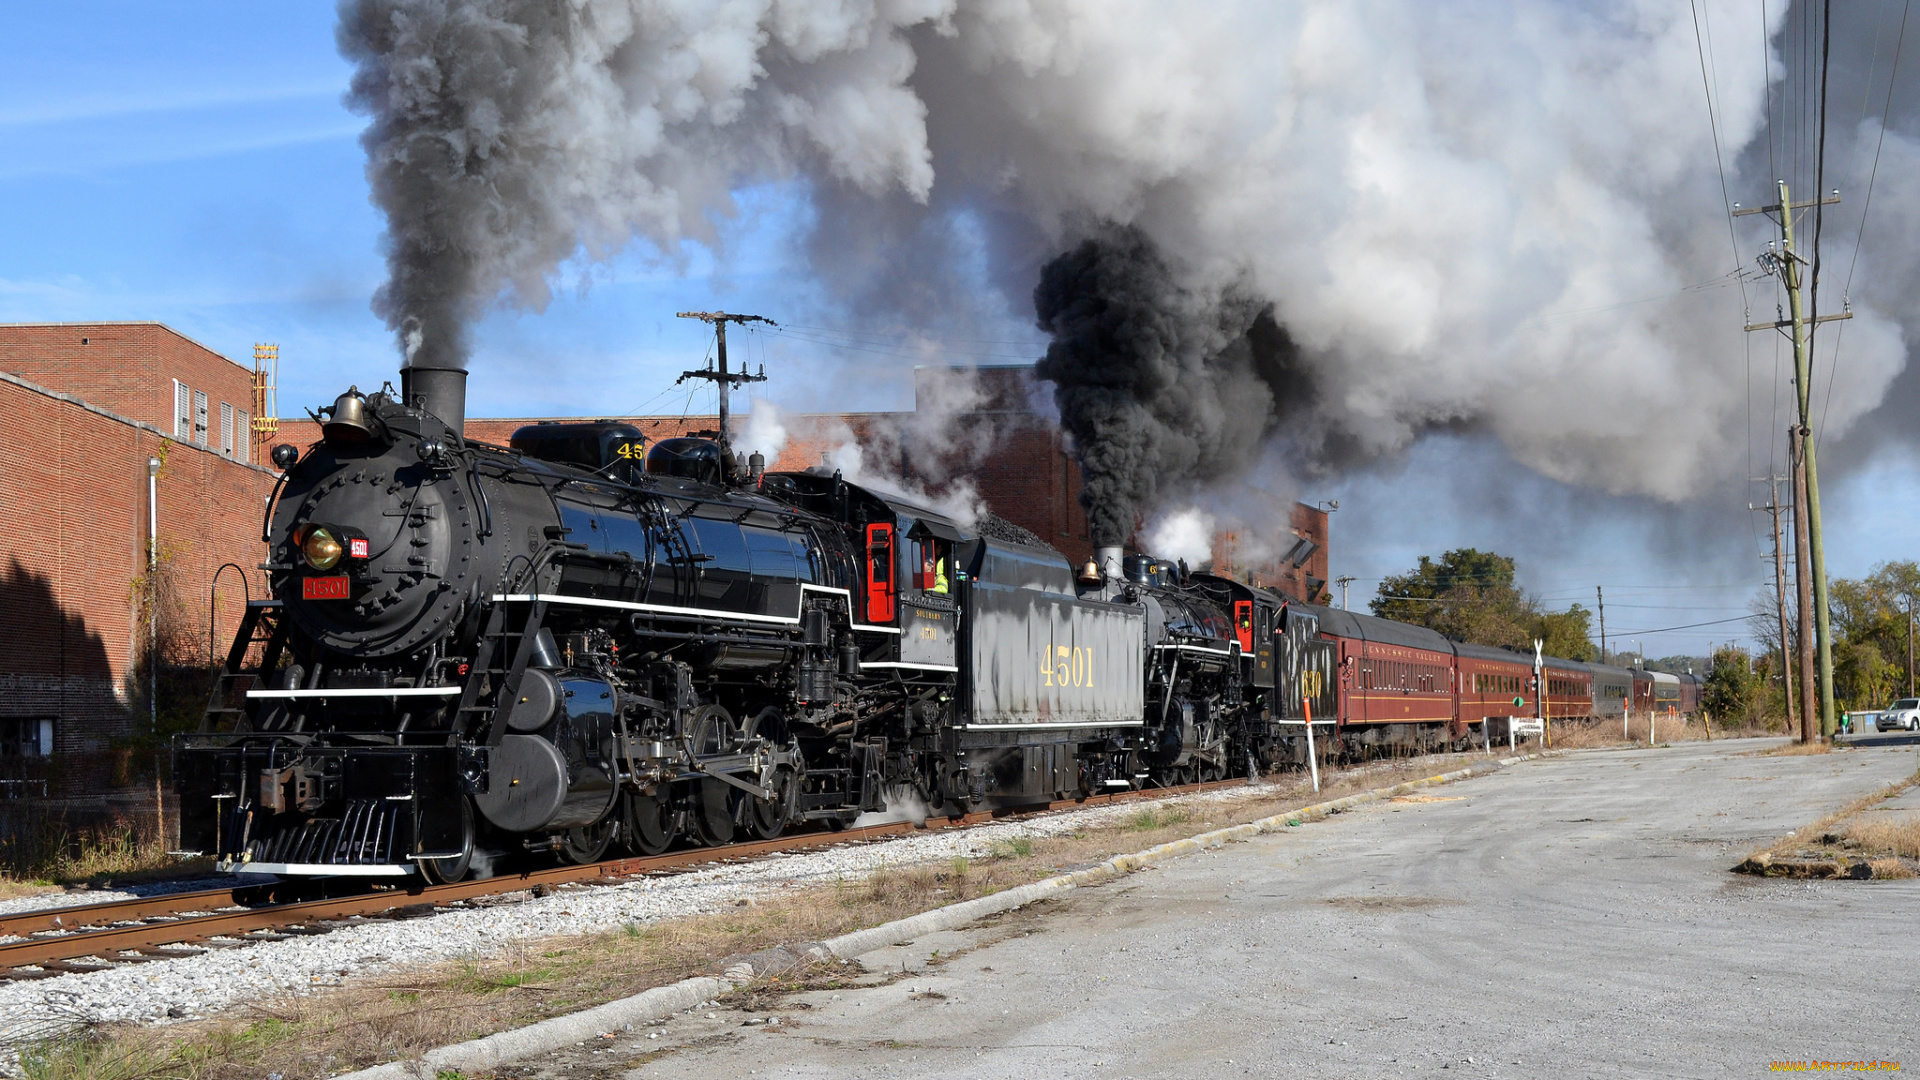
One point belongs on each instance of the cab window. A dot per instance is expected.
(930, 563)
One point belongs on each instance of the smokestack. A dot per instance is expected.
(441, 391)
(1109, 560)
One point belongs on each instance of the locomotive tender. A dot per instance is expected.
(579, 640)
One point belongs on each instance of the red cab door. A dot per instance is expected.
(880, 573)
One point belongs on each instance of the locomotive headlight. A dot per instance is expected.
(322, 550)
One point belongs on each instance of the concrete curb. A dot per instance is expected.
(559, 1032)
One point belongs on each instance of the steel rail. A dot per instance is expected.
(173, 924)
(107, 912)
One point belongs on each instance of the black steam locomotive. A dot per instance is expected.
(581, 640)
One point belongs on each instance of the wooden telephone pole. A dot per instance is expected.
(1600, 599)
(726, 380)
(1780, 593)
(1787, 263)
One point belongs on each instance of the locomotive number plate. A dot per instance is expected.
(324, 588)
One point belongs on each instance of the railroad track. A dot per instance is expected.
(96, 937)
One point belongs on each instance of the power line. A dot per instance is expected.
(1708, 85)
(1713, 125)
(1820, 185)
(1688, 626)
(1886, 114)
(869, 336)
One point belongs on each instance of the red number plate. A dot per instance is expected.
(323, 588)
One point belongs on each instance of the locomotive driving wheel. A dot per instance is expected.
(710, 807)
(765, 819)
(583, 844)
(650, 824)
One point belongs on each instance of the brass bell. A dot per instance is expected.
(347, 421)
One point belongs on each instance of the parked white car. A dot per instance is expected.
(1902, 715)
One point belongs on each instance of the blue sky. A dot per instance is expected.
(194, 164)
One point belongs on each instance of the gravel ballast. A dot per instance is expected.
(188, 987)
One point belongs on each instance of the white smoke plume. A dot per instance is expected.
(1183, 534)
(1500, 216)
(873, 461)
(766, 431)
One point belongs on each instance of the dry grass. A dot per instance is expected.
(1799, 749)
(1840, 838)
(1886, 836)
(1588, 735)
(39, 852)
(307, 1038)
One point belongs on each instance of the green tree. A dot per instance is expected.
(1862, 678)
(1412, 597)
(1470, 595)
(1870, 633)
(1568, 634)
(1731, 692)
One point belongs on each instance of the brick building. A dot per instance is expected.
(84, 408)
(1006, 443)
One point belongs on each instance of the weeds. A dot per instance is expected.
(1152, 818)
(1799, 749)
(1840, 837)
(1887, 836)
(1019, 847)
(40, 851)
(1593, 734)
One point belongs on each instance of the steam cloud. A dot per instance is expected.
(1497, 216)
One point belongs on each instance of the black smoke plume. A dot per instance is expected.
(466, 155)
(1163, 391)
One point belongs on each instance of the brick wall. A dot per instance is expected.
(130, 369)
(73, 544)
(1271, 568)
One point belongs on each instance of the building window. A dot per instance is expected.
(26, 736)
(200, 417)
(226, 427)
(182, 411)
(243, 438)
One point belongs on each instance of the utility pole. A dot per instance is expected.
(1780, 593)
(1909, 644)
(1345, 579)
(1600, 595)
(726, 380)
(1787, 263)
(1802, 589)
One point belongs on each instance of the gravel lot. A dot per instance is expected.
(195, 986)
(1569, 917)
